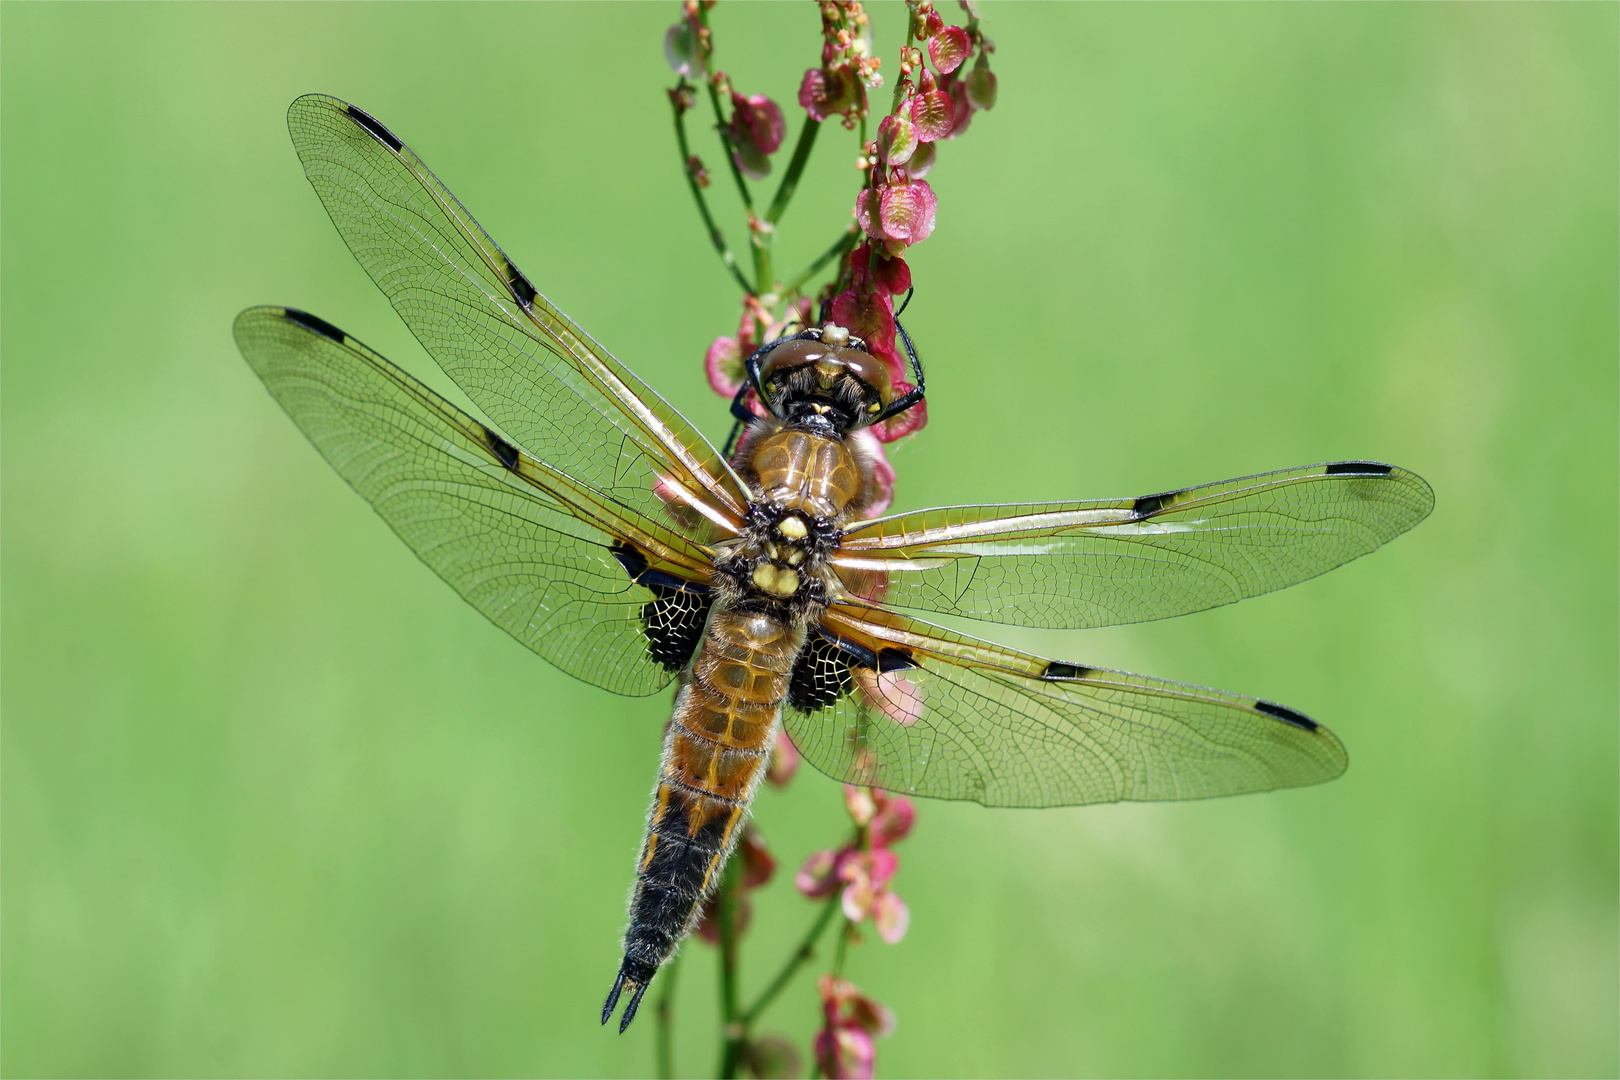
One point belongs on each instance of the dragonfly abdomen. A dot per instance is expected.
(715, 753)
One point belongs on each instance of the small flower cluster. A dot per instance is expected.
(864, 867)
(851, 1020)
(848, 68)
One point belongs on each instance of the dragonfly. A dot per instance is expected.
(587, 518)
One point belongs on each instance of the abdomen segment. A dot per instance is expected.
(715, 753)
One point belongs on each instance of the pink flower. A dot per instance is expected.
(861, 870)
(882, 473)
(897, 140)
(948, 48)
(828, 92)
(756, 133)
(932, 112)
(784, 762)
(893, 820)
(891, 917)
(816, 878)
(851, 1021)
(907, 211)
(723, 364)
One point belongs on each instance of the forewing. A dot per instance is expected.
(550, 387)
(1112, 561)
(928, 712)
(547, 559)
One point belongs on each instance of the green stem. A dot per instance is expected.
(790, 179)
(666, 1017)
(801, 956)
(715, 236)
(843, 949)
(760, 235)
(720, 118)
(846, 240)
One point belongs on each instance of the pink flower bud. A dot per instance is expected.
(723, 364)
(845, 1053)
(784, 758)
(921, 161)
(891, 917)
(827, 92)
(981, 88)
(931, 112)
(859, 802)
(758, 863)
(772, 1057)
(816, 878)
(897, 140)
(948, 48)
(907, 212)
(894, 819)
(681, 48)
(893, 274)
(865, 203)
(761, 119)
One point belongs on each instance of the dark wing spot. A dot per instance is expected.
(1287, 715)
(520, 286)
(821, 673)
(894, 660)
(1148, 505)
(633, 561)
(311, 322)
(1362, 468)
(1059, 670)
(501, 449)
(373, 125)
(673, 620)
(673, 623)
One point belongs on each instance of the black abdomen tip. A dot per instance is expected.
(633, 976)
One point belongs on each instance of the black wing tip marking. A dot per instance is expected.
(1148, 505)
(505, 451)
(375, 126)
(1287, 715)
(1357, 468)
(314, 323)
(521, 286)
(1059, 670)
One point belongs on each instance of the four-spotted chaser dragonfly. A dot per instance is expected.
(593, 523)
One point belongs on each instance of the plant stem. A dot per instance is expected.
(845, 241)
(760, 235)
(715, 237)
(799, 957)
(731, 1031)
(665, 1017)
(843, 949)
(720, 117)
(790, 179)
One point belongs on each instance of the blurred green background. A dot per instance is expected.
(276, 802)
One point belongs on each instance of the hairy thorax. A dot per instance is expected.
(807, 485)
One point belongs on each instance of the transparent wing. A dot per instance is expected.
(923, 711)
(1112, 561)
(547, 559)
(551, 388)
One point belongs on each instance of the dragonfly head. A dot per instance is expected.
(824, 378)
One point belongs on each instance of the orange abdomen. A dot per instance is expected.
(715, 753)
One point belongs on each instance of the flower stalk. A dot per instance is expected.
(934, 97)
